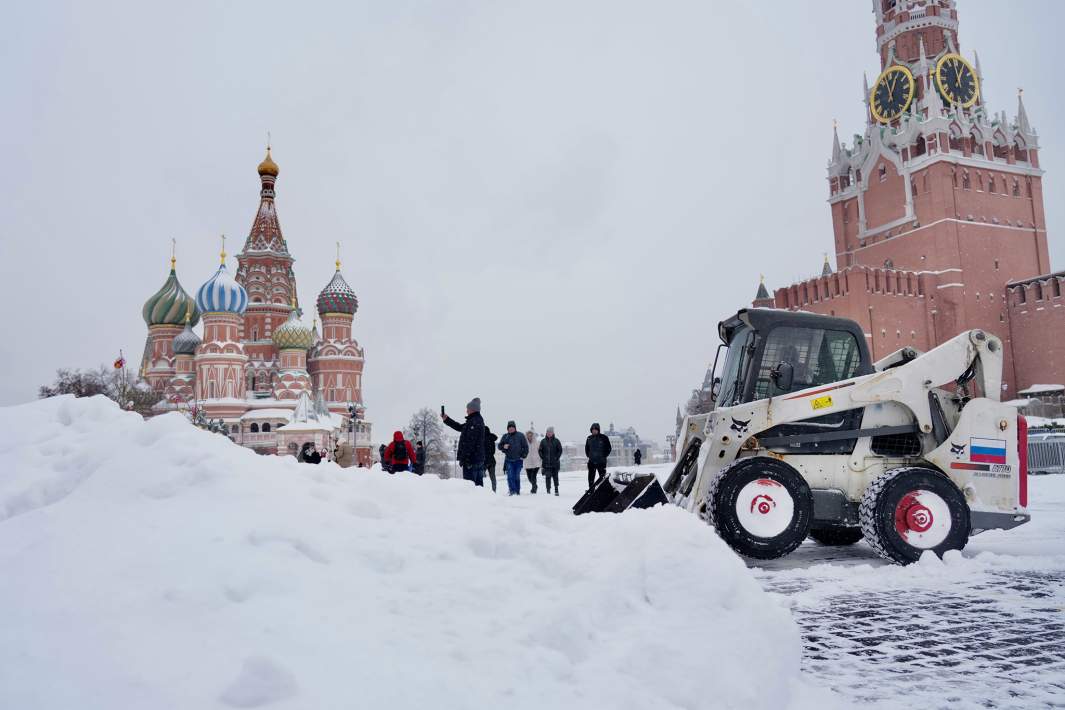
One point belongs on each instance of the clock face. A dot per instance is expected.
(892, 94)
(957, 80)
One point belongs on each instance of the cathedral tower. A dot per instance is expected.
(220, 358)
(164, 313)
(336, 360)
(265, 272)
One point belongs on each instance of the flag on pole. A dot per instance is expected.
(120, 362)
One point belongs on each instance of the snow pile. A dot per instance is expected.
(154, 565)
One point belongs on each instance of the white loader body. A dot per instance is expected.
(972, 440)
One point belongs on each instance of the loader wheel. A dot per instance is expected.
(906, 511)
(761, 507)
(836, 535)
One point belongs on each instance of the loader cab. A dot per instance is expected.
(770, 352)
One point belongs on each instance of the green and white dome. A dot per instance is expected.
(169, 304)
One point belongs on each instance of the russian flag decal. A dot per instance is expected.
(987, 450)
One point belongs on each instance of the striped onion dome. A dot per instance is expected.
(169, 304)
(337, 297)
(186, 341)
(222, 294)
(293, 334)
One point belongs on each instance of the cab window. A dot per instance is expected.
(819, 357)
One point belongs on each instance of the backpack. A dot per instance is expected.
(399, 451)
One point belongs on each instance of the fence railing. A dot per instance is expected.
(1047, 456)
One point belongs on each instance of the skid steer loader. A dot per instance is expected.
(808, 436)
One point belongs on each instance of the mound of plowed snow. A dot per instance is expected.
(154, 565)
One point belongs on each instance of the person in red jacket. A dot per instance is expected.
(399, 455)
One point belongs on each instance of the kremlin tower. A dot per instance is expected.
(257, 360)
(937, 208)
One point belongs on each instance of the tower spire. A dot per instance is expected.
(837, 152)
(1022, 115)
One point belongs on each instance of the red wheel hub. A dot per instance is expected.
(912, 515)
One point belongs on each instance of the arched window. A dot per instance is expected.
(966, 182)
(1016, 188)
(990, 183)
(882, 172)
(920, 147)
(254, 428)
(266, 428)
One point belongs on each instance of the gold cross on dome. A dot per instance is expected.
(223, 254)
(338, 256)
(173, 253)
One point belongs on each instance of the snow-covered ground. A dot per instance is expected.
(154, 565)
(981, 628)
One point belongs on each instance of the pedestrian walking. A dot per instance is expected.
(382, 452)
(399, 456)
(515, 448)
(597, 449)
(532, 461)
(419, 459)
(637, 456)
(550, 451)
(490, 440)
(470, 453)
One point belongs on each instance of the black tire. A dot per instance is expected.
(890, 508)
(836, 535)
(776, 478)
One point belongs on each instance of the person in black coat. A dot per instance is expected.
(308, 454)
(550, 458)
(419, 459)
(471, 441)
(637, 457)
(490, 455)
(597, 449)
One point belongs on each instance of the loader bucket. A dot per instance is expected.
(618, 492)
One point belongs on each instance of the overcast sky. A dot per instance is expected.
(546, 204)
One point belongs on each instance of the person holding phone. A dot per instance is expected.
(470, 453)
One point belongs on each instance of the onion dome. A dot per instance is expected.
(268, 166)
(169, 304)
(293, 334)
(186, 342)
(337, 297)
(222, 293)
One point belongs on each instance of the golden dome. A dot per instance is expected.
(268, 166)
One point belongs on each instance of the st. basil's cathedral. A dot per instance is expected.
(273, 382)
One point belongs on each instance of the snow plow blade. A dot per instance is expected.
(620, 491)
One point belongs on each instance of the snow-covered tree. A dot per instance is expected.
(425, 426)
(115, 384)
